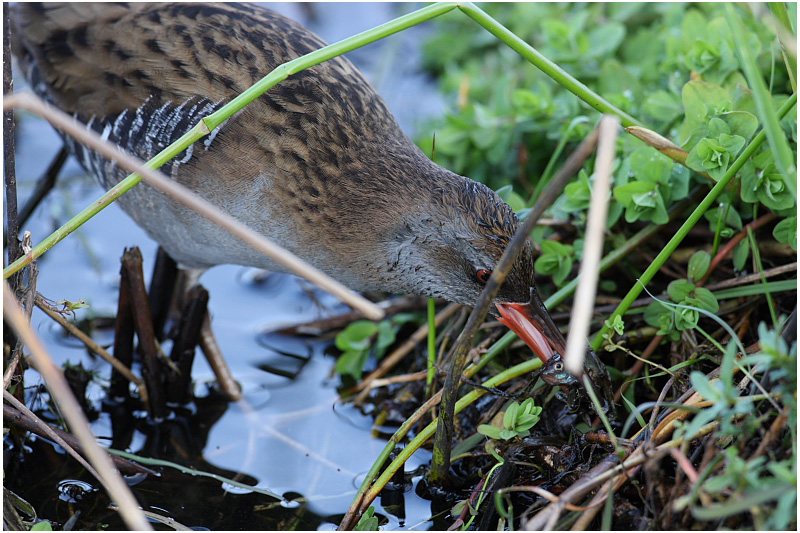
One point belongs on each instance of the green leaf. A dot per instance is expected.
(714, 155)
(765, 184)
(686, 318)
(386, 337)
(698, 265)
(704, 387)
(528, 103)
(740, 123)
(507, 434)
(648, 164)
(705, 300)
(605, 38)
(579, 193)
(356, 336)
(641, 200)
(556, 260)
(351, 363)
(662, 106)
(786, 231)
(368, 522)
(43, 525)
(511, 415)
(492, 432)
(717, 126)
(618, 325)
(740, 254)
(659, 316)
(702, 100)
(733, 219)
(679, 289)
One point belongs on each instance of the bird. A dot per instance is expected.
(318, 163)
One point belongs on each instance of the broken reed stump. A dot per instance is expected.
(162, 288)
(183, 349)
(123, 341)
(133, 277)
(146, 315)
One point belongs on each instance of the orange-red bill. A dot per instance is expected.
(533, 324)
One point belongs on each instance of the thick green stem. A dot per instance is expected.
(431, 343)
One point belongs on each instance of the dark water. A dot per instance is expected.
(291, 436)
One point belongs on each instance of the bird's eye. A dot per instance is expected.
(559, 367)
(483, 275)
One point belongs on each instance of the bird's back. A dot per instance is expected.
(143, 74)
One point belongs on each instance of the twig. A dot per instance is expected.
(744, 280)
(28, 421)
(118, 490)
(89, 342)
(133, 276)
(193, 315)
(213, 354)
(9, 163)
(44, 185)
(593, 247)
(322, 325)
(41, 428)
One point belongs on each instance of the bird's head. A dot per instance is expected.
(451, 245)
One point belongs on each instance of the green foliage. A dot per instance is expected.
(672, 67)
(698, 265)
(618, 325)
(675, 68)
(368, 521)
(672, 320)
(362, 338)
(744, 483)
(517, 421)
(555, 260)
(42, 525)
(786, 231)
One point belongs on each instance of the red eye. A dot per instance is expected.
(483, 275)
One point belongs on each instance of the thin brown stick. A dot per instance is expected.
(58, 387)
(744, 280)
(43, 429)
(210, 347)
(322, 325)
(9, 163)
(405, 378)
(34, 424)
(26, 296)
(593, 248)
(133, 276)
(89, 342)
(772, 434)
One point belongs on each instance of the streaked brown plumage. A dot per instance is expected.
(317, 163)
